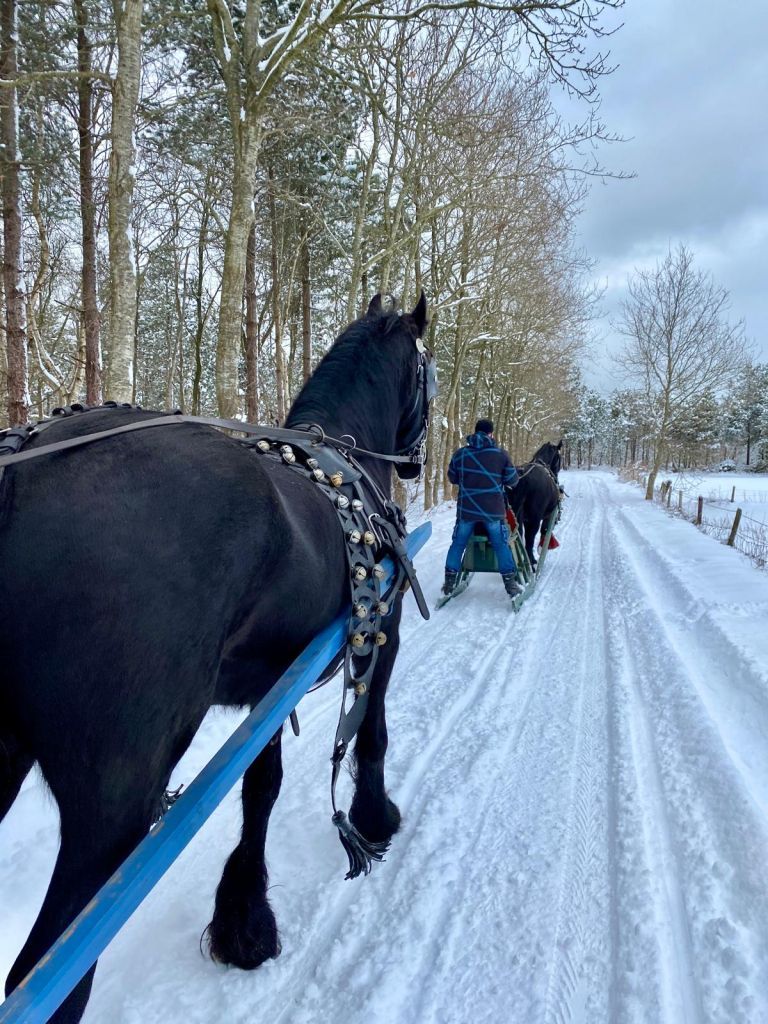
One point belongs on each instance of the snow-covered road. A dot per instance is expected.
(584, 790)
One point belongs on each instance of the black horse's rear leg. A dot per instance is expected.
(372, 811)
(94, 842)
(243, 931)
(15, 764)
(531, 534)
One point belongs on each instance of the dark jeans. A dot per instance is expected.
(498, 533)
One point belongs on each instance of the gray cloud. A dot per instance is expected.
(690, 95)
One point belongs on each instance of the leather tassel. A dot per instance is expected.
(360, 851)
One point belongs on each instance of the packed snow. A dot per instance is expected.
(584, 789)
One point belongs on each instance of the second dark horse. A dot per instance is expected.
(535, 497)
(150, 575)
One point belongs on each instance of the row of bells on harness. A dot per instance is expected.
(359, 573)
(355, 537)
(336, 479)
(358, 639)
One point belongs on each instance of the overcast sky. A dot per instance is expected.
(691, 96)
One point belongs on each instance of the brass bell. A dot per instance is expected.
(382, 608)
(353, 536)
(287, 452)
(358, 640)
(360, 689)
(369, 538)
(359, 573)
(357, 505)
(318, 474)
(313, 463)
(360, 611)
(379, 571)
(381, 639)
(342, 500)
(337, 478)
(263, 446)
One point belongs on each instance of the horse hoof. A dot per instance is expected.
(378, 825)
(244, 944)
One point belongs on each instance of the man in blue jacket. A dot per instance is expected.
(481, 470)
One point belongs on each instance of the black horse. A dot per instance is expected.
(535, 497)
(150, 575)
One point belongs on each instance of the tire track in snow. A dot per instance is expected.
(512, 767)
(421, 790)
(571, 993)
(699, 823)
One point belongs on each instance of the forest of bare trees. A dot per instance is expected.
(197, 196)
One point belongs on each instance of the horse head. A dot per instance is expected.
(376, 384)
(549, 455)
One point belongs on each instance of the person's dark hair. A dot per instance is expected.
(484, 427)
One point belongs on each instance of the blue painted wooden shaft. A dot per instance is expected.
(49, 983)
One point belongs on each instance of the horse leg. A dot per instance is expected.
(95, 839)
(15, 763)
(531, 533)
(243, 931)
(372, 812)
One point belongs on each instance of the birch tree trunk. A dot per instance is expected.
(306, 311)
(122, 176)
(91, 316)
(10, 160)
(251, 332)
(276, 317)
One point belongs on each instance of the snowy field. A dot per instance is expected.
(584, 790)
(716, 489)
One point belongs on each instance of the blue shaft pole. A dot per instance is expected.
(49, 983)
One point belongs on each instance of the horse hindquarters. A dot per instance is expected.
(97, 834)
(15, 764)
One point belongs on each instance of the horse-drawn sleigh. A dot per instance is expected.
(533, 508)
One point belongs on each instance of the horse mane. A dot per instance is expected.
(364, 356)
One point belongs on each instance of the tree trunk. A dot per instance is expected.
(10, 160)
(200, 316)
(251, 332)
(306, 311)
(91, 316)
(276, 322)
(122, 176)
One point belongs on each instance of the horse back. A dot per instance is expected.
(177, 557)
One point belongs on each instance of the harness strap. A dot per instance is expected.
(273, 433)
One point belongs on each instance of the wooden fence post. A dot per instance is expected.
(680, 500)
(734, 528)
(699, 511)
(669, 493)
(733, 493)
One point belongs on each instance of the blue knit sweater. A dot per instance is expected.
(481, 470)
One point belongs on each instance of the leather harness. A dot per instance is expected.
(373, 526)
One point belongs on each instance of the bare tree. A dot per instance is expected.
(91, 317)
(122, 177)
(15, 323)
(254, 57)
(679, 342)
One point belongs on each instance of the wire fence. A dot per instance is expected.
(714, 515)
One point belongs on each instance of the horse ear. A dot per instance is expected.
(374, 308)
(419, 314)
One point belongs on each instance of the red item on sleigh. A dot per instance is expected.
(553, 542)
(511, 519)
